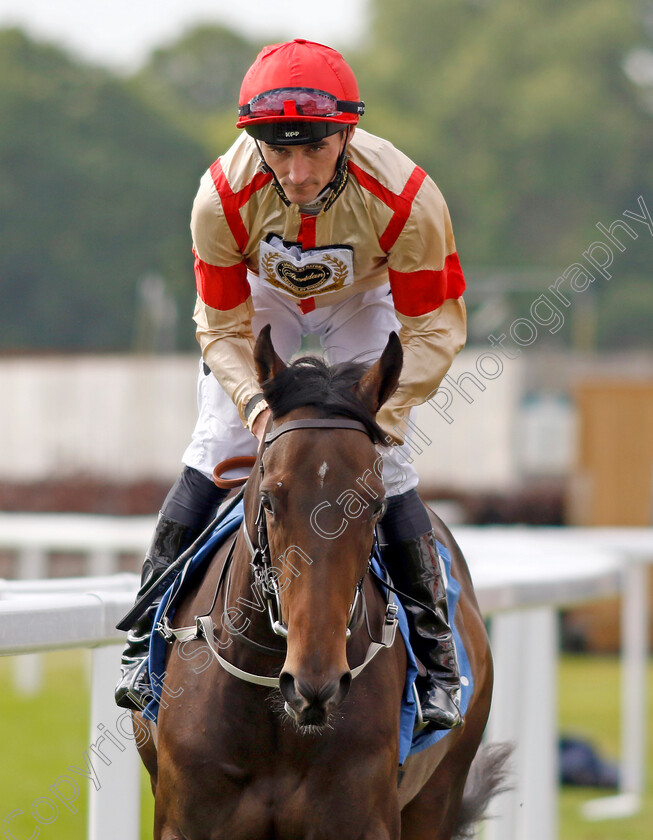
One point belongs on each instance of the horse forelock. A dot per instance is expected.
(311, 382)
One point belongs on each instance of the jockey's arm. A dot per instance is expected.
(259, 425)
(227, 343)
(224, 308)
(427, 284)
(430, 343)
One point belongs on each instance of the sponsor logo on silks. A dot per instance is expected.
(309, 278)
(303, 274)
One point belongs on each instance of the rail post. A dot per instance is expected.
(524, 712)
(114, 808)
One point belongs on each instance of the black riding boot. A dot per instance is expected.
(188, 508)
(415, 569)
(133, 690)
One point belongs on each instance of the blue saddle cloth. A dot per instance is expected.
(409, 741)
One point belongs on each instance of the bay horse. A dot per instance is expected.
(311, 751)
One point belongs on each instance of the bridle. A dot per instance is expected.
(260, 559)
(266, 581)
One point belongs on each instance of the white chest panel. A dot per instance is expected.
(301, 274)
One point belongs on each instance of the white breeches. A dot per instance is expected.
(356, 329)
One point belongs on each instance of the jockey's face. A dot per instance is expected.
(304, 171)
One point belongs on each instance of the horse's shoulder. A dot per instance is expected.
(202, 586)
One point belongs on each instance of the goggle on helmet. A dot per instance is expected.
(298, 92)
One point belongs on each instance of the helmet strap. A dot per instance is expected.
(337, 183)
(275, 183)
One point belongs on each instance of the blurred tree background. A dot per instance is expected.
(535, 118)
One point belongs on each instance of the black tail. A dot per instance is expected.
(487, 777)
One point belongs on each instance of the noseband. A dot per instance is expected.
(267, 582)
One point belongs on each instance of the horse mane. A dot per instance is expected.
(309, 381)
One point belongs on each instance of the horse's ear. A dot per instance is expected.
(268, 363)
(381, 380)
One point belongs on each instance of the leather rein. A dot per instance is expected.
(265, 578)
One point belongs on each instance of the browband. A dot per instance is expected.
(291, 425)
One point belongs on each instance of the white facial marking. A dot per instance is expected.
(322, 472)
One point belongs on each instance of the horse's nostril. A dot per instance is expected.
(287, 686)
(345, 685)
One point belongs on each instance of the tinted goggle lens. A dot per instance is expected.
(303, 102)
(308, 104)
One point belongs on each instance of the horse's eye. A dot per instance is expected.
(266, 503)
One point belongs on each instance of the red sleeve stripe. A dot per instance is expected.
(221, 288)
(418, 292)
(232, 202)
(401, 204)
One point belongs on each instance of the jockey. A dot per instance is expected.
(317, 227)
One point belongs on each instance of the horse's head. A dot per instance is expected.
(322, 494)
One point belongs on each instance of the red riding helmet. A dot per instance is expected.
(298, 92)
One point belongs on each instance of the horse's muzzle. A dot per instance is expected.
(312, 705)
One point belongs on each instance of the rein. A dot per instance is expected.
(266, 581)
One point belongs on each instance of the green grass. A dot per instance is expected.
(43, 735)
(590, 708)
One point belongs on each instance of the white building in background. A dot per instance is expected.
(126, 418)
(117, 417)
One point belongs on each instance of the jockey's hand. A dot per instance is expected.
(260, 424)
